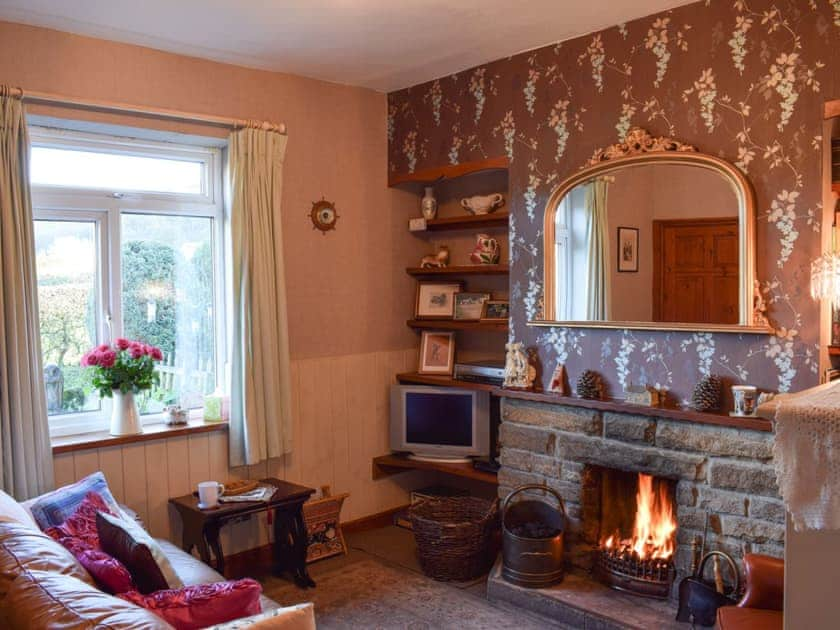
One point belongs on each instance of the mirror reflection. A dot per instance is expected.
(649, 242)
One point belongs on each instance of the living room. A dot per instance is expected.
(185, 186)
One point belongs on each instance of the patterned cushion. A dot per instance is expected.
(79, 529)
(297, 617)
(139, 552)
(52, 509)
(202, 605)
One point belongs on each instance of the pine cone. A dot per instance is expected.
(706, 394)
(589, 385)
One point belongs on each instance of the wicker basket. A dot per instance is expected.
(456, 536)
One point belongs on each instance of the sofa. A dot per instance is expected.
(43, 586)
(761, 606)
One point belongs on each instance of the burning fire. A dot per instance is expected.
(654, 527)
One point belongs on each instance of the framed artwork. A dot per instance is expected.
(437, 353)
(495, 310)
(628, 249)
(468, 306)
(436, 300)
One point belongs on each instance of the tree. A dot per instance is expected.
(148, 300)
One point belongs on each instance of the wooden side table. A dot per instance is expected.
(201, 527)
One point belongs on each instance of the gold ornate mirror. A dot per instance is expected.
(652, 234)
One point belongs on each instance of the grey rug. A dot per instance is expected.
(369, 594)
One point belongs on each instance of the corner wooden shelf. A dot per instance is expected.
(834, 351)
(468, 222)
(387, 465)
(835, 187)
(449, 171)
(413, 378)
(460, 270)
(454, 324)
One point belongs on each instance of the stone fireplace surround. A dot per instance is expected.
(720, 470)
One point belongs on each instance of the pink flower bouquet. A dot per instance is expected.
(128, 366)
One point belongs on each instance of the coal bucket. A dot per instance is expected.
(532, 539)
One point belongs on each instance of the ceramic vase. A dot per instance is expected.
(428, 205)
(487, 250)
(125, 417)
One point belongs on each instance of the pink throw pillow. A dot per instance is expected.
(202, 605)
(109, 573)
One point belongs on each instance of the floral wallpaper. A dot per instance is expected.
(742, 79)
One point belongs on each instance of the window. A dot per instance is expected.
(128, 239)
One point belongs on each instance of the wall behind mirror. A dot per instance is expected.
(649, 242)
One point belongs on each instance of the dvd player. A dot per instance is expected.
(481, 371)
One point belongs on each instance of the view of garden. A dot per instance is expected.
(166, 297)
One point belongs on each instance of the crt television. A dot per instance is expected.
(440, 423)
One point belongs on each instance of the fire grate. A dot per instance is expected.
(625, 571)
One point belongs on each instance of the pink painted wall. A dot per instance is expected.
(348, 292)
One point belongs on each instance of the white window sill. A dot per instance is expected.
(151, 431)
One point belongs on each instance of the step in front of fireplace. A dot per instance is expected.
(579, 601)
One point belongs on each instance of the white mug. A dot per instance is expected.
(209, 492)
(744, 397)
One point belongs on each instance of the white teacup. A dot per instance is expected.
(209, 493)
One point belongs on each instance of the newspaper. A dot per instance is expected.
(260, 493)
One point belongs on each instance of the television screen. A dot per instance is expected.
(435, 418)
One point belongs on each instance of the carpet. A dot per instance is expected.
(369, 594)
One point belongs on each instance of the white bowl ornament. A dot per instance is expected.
(483, 204)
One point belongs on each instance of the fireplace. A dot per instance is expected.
(633, 530)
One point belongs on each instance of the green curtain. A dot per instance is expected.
(27, 466)
(598, 248)
(261, 409)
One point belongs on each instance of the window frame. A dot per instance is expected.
(106, 207)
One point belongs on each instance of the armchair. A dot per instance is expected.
(761, 606)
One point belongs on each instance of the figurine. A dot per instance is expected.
(519, 372)
(483, 204)
(441, 259)
(558, 380)
(487, 250)
(175, 414)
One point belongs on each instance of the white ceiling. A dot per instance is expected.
(381, 44)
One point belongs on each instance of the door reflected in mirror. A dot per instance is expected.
(650, 241)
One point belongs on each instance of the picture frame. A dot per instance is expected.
(436, 300)
(628, 250)
(469, 305)
(437, 353)
(495, 311)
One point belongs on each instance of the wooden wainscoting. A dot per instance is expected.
(340, 410)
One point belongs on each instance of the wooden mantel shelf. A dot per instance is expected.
(387, 465)
(619, 406)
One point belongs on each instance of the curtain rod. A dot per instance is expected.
(46, 98)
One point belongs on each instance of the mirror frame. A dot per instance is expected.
(639, 147)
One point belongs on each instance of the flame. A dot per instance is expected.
(654, 526)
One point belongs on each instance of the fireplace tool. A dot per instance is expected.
(532, 539)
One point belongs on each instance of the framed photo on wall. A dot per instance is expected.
(437, 353)
(628, 249)
(436, 300)
(468, 306)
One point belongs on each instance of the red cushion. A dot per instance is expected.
(109, 573)
(202, 605)
(81, 525)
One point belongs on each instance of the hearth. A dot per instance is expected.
(635, 528)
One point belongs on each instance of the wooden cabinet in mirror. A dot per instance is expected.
(652, 234)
